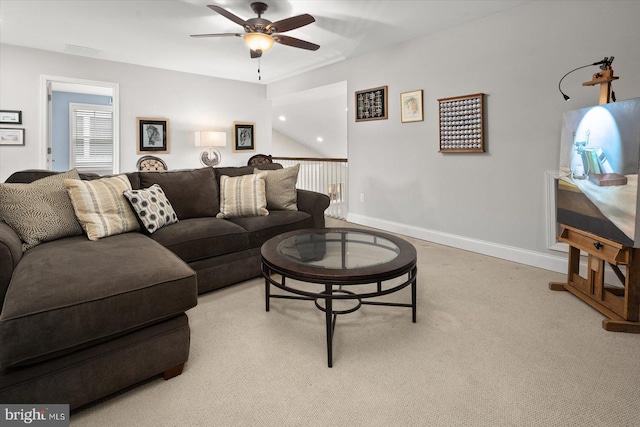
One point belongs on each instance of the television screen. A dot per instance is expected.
(597, 190)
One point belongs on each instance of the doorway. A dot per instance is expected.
(56, 136)
(310, 128)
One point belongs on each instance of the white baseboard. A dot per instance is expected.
(510, 253)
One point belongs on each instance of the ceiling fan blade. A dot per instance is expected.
(216, 35)
(291, 23)
(256, 54)
(227, 14)
(292, 41)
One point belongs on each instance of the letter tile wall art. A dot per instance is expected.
(371, 104)
(462, 124)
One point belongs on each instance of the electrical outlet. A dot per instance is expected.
(362, 197)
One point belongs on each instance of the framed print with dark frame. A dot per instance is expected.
(10, 117)
(11, 136)
(244, 136)
(371, 104)
(411, 106)
(152, 135)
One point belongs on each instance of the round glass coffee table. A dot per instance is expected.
(325, 265)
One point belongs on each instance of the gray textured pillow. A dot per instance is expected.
(281, 190)
(40, 211)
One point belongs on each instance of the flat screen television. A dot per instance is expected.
(597, 190)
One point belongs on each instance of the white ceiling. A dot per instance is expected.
(156, 33)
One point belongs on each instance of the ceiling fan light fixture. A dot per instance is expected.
(258, 41)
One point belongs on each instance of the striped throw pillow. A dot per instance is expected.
(101, 207)
(243, 196)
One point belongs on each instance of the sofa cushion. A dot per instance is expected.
(262, 228)
(40, 211)
(243, 196)
(101, 207)
(199, 238)
(134, 178)
(232, 171)
(71, 293)
(193, 193)
(280, 186)
(151, 206)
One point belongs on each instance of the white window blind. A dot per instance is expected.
(91, 133)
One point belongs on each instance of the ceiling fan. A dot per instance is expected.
(260, 33)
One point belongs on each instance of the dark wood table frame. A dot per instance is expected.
(403, 263)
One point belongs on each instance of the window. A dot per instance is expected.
(91, 133)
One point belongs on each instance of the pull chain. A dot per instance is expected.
(259, 76)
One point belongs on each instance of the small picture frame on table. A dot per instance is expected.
(411, 106)
(244, 136)
(152, 135)
(10, 117)
(11, 136)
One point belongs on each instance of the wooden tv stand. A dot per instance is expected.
(621, 305)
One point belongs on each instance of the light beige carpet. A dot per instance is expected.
(493, 346)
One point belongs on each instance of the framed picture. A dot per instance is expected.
(371, 104)
(11, 136)
(10, 117)
(462, 124)
(244, 136)
(411, 106)
(153, 135)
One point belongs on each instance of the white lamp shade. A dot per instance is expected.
(258, 41)
(211, 139)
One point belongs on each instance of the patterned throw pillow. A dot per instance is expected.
(152, 207)
(101, 206)
(280, 186)
(243, 196)
(40, 211)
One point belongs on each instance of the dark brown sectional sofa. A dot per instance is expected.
(82, 319)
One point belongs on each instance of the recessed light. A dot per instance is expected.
(282, 118)
(319, 139)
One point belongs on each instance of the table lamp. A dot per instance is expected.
(210, 156)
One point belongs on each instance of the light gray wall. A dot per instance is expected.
(191, 103)
(494, 202)
(283, 146)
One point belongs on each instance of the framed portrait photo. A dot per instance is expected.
(10, 117)
(411, 105)
(153, 135)
(244, 136)
(11, 136)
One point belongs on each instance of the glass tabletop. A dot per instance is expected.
(338, 250)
